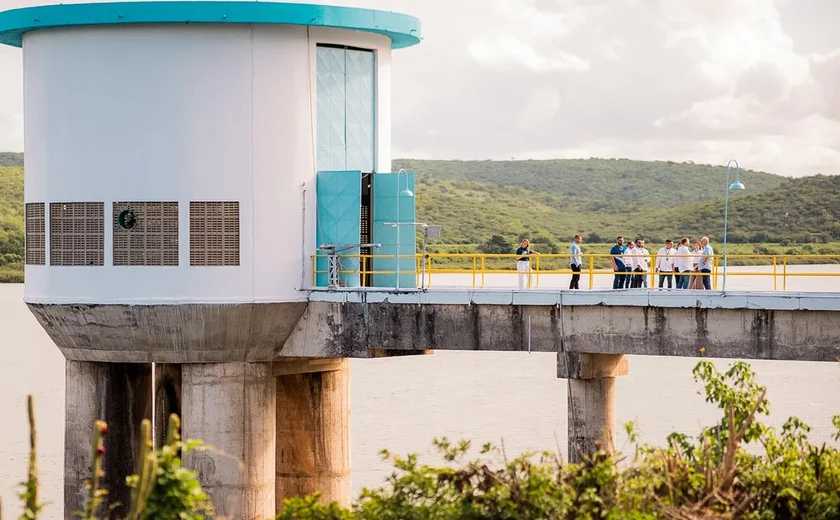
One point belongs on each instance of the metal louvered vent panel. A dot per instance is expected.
(35, 233)
(153, 239)
(77, 233)
(36, 251)
(214, 233)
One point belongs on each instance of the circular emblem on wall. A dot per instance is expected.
(127, 219)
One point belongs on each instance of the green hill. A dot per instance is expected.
(787, 213)
(11, 223)
(550, 201)
(522, 202)
(654, 183)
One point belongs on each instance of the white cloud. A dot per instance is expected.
(541, 106)
(701, 80)
(507, 51)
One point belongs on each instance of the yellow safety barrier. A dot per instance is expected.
(477, 266)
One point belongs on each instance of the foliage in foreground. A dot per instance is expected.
(162, 489)
(738, 468)
(709, 476)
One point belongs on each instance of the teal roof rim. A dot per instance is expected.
(403, 30)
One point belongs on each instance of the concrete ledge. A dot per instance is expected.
(306, 366)
(591, 366)
(207, 333)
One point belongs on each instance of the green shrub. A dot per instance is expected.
(709, 476)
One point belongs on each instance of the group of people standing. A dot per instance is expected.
(631, 264)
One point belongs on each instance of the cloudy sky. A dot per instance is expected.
(698, 80)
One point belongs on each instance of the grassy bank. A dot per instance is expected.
(11, 273)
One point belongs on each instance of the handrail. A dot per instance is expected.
(478, 265)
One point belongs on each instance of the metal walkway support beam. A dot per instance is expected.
(591, 399)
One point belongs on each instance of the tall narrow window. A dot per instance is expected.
(346, 130)
(146, 233)
(214, 233)
(77, 233)
(36, 251)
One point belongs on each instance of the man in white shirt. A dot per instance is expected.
(644, 262)
(683, 264)
(705, 263)
(665, 259)
(576, 262)
(630, 263)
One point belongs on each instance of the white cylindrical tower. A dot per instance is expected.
(171, 157)
(173, 154)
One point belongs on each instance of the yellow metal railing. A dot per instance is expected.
(478, 266)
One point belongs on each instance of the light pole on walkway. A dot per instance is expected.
(404, 193)
(735, 186)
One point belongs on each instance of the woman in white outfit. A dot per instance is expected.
(696, 282)
(523, 263)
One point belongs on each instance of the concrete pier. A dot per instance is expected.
(591, 400)
(167, 398)
(231, 407)
(313, 430)
(119, 394)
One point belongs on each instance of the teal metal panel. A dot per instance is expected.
(403, 30)
(359, 129)
(331, 119)
(386, 202)
(345, 80)
(339, 196)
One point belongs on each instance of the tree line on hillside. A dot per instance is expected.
(11, 159)
(11, 217)
(472, 213)
(645, 183)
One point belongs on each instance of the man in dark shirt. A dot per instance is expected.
(618, 262)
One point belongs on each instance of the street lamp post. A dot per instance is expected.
(735, 186)
(404, 193)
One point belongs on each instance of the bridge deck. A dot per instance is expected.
(749, 325)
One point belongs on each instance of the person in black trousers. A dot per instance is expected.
(576, 262)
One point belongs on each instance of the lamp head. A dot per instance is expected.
(406, 193)
(737, 186)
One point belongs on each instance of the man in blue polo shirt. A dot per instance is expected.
(705, 262)
(618, 262)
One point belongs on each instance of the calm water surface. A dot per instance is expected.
(402, 403)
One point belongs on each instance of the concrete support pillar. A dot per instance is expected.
(231, 407)
(313, 430)
(591, 399)
(167, 398)
(119, 394)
